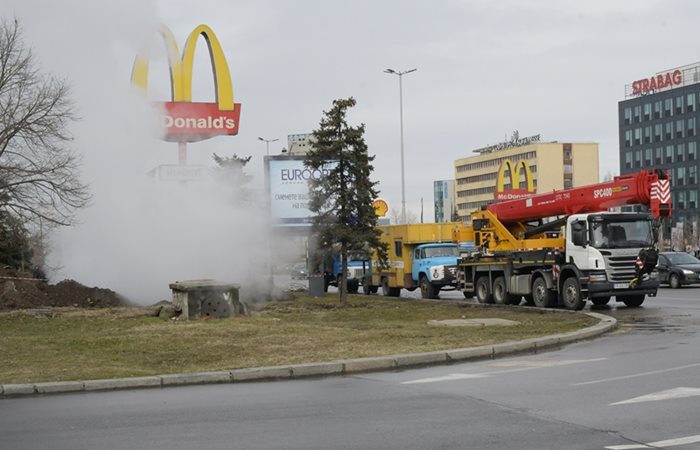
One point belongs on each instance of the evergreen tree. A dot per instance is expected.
(341, 195)
(230, 172)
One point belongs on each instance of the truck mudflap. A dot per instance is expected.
(609, 289)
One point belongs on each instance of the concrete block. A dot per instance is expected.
(306, 370)
(18, 389)
(59, 386)
(122, 383)
(261, 373)
(371, 364)
(197, 378)
(547, 342)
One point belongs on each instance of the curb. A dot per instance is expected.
(339, 367)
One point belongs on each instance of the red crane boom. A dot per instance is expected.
(650, 188)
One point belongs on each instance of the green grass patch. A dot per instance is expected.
(76, 344)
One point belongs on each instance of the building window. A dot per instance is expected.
(647, 111)
(628, 160)
(692, 174)
(637, 114)
(691, 126)
(628, 116)
(657, 109)
(680, 200)
(658, 132)
(668, 130)
(669, 154)
(680, 128)
(658, 156)
(692, 199)
(680, 152)
(628, 138)
(668, 107)
(679, 104)
(690, 102)
(648, 155)
(637, 136)
(647, 134)
(638, 158)
(679, 180)
(692, 151)
(568, 183)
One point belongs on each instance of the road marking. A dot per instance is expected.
(659, 444)
(679, 392)
(642, 374)
(520, 366)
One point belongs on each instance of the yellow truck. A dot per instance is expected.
(419, 256)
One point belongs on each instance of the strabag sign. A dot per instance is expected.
(184, 120)
(288, 187)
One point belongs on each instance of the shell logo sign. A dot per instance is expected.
(380, 207)
(183, 119)
(514, 172)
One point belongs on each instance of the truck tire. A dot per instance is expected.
(483, 290)
(500, 293)
(389, 291)
(631, 301)
(541, 296)
(571, 294)
(427, 290)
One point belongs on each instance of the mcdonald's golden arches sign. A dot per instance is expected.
(515, 172)
(183, 119)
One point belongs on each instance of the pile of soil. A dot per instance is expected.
(18, 290)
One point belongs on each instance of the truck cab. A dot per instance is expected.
(604, 247)
(434, 267)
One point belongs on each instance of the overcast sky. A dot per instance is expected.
(485, 69)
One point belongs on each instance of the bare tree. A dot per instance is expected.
(395, 215)
(39, 181)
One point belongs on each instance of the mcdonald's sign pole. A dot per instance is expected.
(184, 120)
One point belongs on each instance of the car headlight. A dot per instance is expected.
(437, 272)
(688, 272)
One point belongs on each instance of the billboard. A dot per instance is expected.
(288, 190)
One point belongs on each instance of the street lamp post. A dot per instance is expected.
(400, 74)
(267, 144)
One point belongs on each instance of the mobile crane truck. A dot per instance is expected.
(419, 256)
(584, 252)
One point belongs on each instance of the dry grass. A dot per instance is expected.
(71, 344)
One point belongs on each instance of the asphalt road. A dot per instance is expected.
(638, 387)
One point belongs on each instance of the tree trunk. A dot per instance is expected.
(343, 284)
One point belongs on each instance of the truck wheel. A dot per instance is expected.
(483, 290)
(600, 301)
(571, 294)
(632, 301)
(500, 293)
(389, 291)
(427, 290)
(541, 296)
(674, 281)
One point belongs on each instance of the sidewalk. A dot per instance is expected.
(339, 367)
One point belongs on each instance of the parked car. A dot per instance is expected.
(299, 271)
(678, 268)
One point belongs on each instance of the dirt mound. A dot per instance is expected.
(19, 290)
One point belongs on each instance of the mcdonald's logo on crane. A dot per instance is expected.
(514, 173)
(183, 119)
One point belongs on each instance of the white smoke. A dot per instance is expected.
(138, 235)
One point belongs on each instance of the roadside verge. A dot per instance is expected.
(321, 369)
